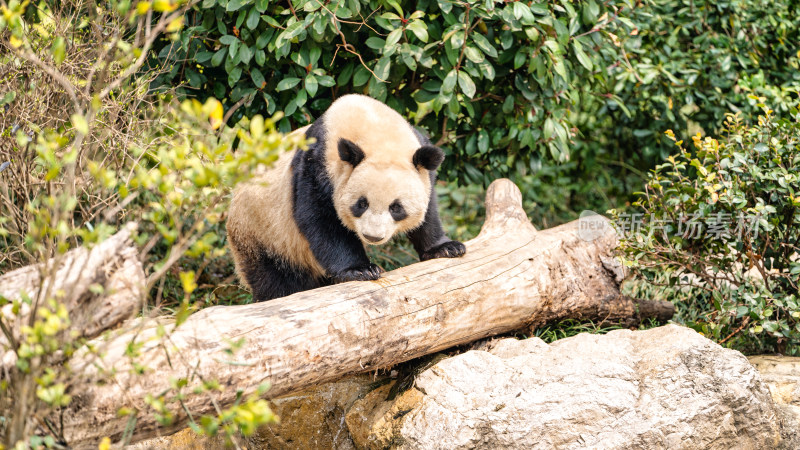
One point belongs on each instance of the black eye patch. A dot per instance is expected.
(359, 207)
(397, 211)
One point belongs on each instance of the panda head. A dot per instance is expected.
(379, 167)
(382, 198)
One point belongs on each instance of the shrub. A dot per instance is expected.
(86, 148)
(724, 220)
(496, 83)
(693, 62)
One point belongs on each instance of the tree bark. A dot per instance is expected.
(511, 277)
(112, 265)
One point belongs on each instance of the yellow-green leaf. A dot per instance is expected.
(80, 124)
(188, 282)
(59, 50)
(142, 7)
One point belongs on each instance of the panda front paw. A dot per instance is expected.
(450, 249)
(366, 273)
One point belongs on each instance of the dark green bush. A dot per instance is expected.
(497, 84)
(724, 222)
(693, 62)
(506, 88)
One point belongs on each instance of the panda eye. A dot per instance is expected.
(397, 211)
(359, 207)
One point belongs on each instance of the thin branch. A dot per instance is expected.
(348, 47)
(151, 37)
(736, 331)
(230, 112)
(55, 74)
(630, 66)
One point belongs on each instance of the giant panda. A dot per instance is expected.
(368, 176)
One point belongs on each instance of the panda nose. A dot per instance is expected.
(372, 238)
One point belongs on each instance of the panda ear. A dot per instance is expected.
(350, 153)
(429, 157)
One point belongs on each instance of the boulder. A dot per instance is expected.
(782, 376)
(314, 418)
(666, 387)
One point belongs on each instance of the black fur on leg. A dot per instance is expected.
(338, 250)
(270, 277)
(450, 249)
(429, 239)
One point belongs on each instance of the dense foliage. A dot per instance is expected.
(508, 89)
(85, 148)
(694, 62)
(494, 82)
(724, 219)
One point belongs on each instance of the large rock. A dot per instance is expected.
(662, 388)
(666, 387)
(782, 376)
(314, 418)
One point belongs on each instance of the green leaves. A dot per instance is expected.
(715, 195)
(466, 84)
(234, 75)
(392, 39)
(419, 29)
(382, 68)
(287, 83)
(291, 32)
(227, 39)
(218, 57)
(449, 82)
(311, 85)
(257, 77)
(500, 70)
(253, 18)
(59, 50)
(582, 57)
(80, 124)
(484, 45)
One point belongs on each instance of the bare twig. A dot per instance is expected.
(152, 35)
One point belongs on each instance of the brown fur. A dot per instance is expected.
(261, 215)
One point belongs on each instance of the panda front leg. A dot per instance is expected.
(338, 250)
(429, 239)
(342, 255)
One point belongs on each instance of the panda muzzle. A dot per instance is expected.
(373, 239)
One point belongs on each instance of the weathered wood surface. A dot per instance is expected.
(112, 264)
(511, 277)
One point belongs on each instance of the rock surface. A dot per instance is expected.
(312, 419)
(782, 376)
(666, 387)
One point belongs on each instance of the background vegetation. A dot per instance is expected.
(721, 222)
(569, 98)
(153, 109)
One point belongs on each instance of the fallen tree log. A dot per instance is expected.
(511, 277)
(112, 265)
